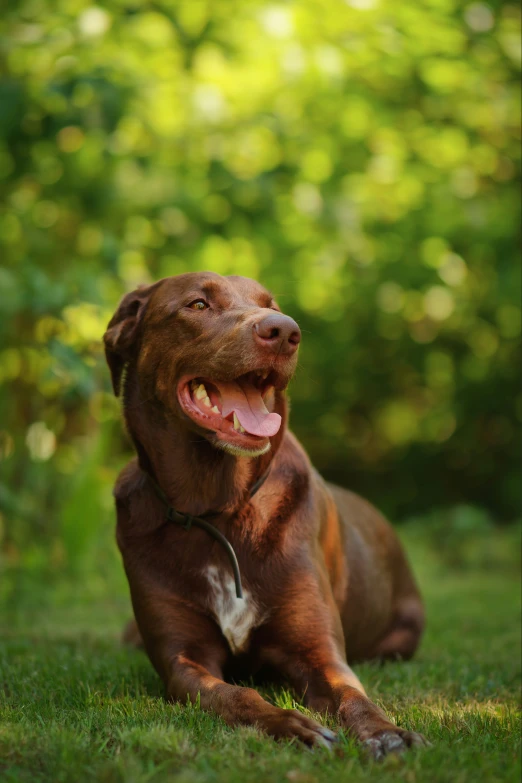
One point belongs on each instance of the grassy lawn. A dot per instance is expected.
(75, 705)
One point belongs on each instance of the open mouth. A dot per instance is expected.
(234, 410)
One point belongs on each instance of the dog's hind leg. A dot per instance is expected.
(131, 635)
(403, 636)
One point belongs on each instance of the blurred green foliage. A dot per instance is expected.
(359, 158)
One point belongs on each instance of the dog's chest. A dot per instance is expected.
(236, 616)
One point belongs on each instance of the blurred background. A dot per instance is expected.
(359, 158)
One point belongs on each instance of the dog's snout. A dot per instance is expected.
(278, 333)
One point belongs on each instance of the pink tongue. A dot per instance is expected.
(249, 408)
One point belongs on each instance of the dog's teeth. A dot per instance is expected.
(237, 425)
(215, 409)
(200, 392)
(206, 402)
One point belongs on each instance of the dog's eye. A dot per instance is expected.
(198, 304)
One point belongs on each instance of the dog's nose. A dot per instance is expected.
(277, 332)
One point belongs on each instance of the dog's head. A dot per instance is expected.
(214, 351)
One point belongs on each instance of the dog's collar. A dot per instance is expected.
(186, 521)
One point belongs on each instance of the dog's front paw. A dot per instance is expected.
(291, 724)
(393, 740)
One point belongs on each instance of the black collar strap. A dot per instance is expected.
(186, 521)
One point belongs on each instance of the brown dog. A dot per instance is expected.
(207, 361)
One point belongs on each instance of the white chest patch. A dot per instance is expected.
(236, 616)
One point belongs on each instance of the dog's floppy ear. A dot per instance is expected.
(122, 331)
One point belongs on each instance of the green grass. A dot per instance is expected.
(76, 706)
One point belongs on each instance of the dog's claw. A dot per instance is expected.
(326, 738)
(323, 742)
(292, 724)
(388, 742)
(320, 737)
(327, 734)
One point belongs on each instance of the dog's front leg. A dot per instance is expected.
(363, 719)
(304, 642)
(188, 651)
(239, 705)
